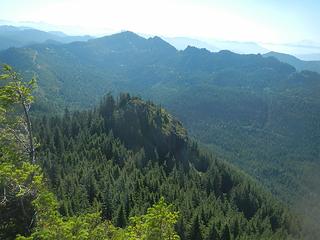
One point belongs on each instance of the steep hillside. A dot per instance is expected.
(125, 154)
(258, 112)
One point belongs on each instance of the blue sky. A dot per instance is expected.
(269, 21)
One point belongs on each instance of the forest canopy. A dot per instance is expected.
(104, 174)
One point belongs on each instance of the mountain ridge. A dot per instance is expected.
(11, 36)
(259, 113)
(299, 64)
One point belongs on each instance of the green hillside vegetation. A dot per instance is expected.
(108, 165)
(28, 210)
(257, 112)
(125, 154)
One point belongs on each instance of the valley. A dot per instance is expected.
(239, 126)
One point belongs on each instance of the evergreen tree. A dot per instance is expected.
(226, 235)
(58, 140)
(213, 234)
(106, 208)
(195, 231)
(236, 228)
(120, 220)
(180, 228)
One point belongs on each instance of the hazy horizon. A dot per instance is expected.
(269, 22)
(304, 50)
(281, 26)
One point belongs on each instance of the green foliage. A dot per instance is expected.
(20, 179)
(125, 154)
(120, 218)
(25, 192)
(226, 234)
(256, 112)
(195, 231)
(50, 224)
(213, 234)
(157, 224)
(15, 91)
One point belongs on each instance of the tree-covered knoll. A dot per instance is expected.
(28, 210)
(109, 169)
(124, 155)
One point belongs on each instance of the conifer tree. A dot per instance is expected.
(213, 234)
(121, 218)
(226, 235)
(195, 231)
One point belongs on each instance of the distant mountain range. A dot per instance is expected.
(11, 36)
(310, 57)
(21, 36)
(305, 50)
(296, 62)
(15, 35)
(182, 43)
(216, 45)
(239, 47)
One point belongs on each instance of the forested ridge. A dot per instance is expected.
(125, 154)
(257, 112)
(108, 165)
(254, 111)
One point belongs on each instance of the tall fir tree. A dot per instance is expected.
(195, 231)
(226, 234)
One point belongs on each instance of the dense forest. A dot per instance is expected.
(255, 111)
(121, 158)
(126, 154)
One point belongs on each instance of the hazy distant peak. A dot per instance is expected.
(13, 36)
(156, 39)
(120, 39)
(226, 52)
(296, 62)
(127, 40)
(284, 57)
(8, 28)
(279, 53)
(58, 33)
(181, 43)
(195, 49)
(161, 43)
(127, 34)
(309, 57)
